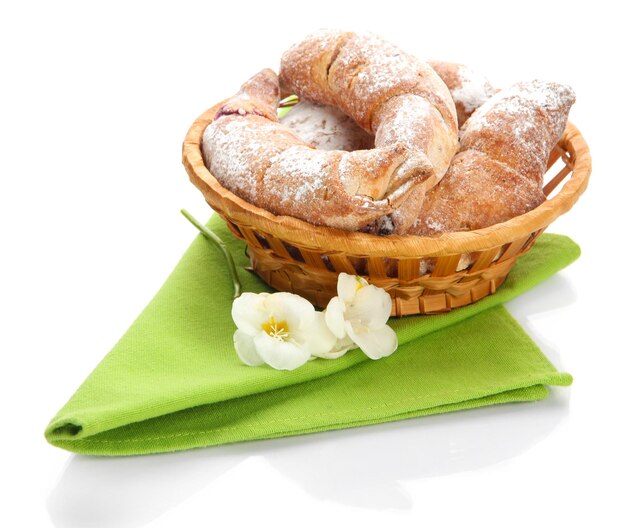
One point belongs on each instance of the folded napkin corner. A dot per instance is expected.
(174, 382)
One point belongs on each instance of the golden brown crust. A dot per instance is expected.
(498, 174)
(476, 192)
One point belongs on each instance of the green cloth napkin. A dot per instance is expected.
(174, 381)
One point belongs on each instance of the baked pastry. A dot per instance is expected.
(469, 89)
(266, 164)
(391, 94)
(498, 172)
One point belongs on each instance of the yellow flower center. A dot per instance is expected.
(277, 329)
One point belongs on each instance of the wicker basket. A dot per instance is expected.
(422, 274)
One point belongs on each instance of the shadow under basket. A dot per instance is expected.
(423, 275)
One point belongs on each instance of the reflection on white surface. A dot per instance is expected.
(362, 467)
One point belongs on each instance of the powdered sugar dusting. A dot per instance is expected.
(369, 70)
(408, 121)
(299, 164)
(266, 164)
(506, 143)
(473, 90)
(519, 103)
(519, 126)
(434, 225)
(369, 78)
(476, 192)
(411, 121)
(230, 149)
(326, 128)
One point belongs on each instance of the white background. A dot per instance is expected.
(95, 100)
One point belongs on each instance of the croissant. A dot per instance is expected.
(391, 94)
(498, 172)
(266, 164)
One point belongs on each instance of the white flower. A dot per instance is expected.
(359, 313)
(280, 329)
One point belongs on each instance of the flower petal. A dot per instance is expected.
(296, 311)
(249, 312)
(281, 355)
(347, 286)
(334, 317)
(341, 347)
(320, 340)
(371, 307)
(244, 346)
(375, 343)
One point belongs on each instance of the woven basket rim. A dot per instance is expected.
(322, 238)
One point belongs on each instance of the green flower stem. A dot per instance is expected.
(230, 263)
(286, 105)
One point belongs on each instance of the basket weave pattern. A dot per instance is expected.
(422, 274)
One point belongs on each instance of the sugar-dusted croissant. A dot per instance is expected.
(265, 163)
(328, 128)
(469, 89)
(387, 92)
(498, 172)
